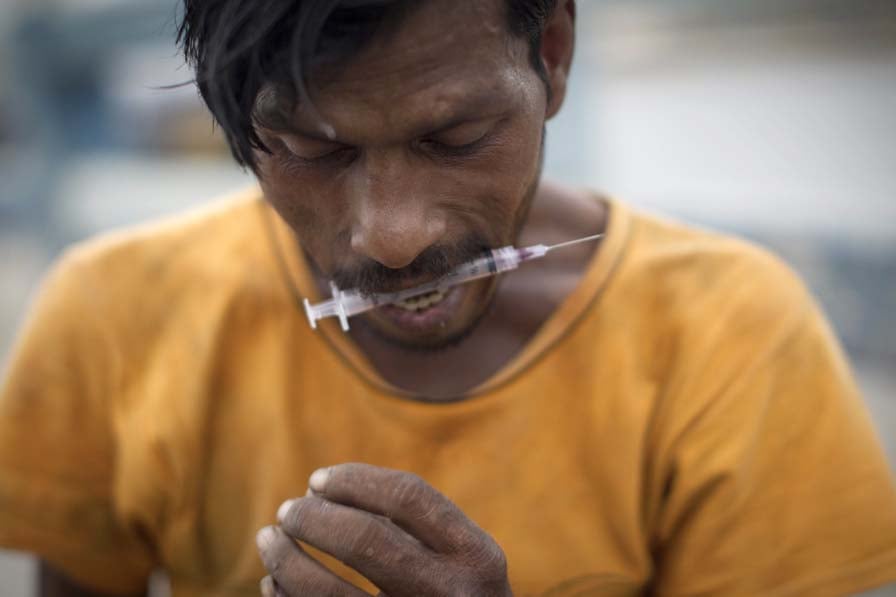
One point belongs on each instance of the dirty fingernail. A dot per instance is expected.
(318, 480)
(265, 537)
(283, 509)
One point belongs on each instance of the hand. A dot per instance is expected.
(392, 527)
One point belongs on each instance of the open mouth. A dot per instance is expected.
(425, 313)
(423, 302)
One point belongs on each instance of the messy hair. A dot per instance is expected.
(239, 48)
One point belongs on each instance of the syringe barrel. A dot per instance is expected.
(494, 262)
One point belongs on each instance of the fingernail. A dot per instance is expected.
(317, 482)
(283, 509)
(267, 587)
(265, 537)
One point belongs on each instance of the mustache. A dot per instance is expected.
(371, 277)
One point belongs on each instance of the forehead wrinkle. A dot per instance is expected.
(397, 114)
(421, 98)
(418, 112)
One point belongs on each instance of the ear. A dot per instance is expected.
(558, 43)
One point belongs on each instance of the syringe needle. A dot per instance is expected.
(575, 242)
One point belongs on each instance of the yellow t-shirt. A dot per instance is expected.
(685, 423)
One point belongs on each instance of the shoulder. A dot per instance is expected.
(699, 308)
(187, 275)
(216, 252)
(196, 241)
(703, 259)
(709, 279)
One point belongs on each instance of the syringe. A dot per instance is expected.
(348, 303)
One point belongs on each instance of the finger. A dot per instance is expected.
(269, 588)
(380, 551)
(275, 588)
(405, 498)
(294, 573)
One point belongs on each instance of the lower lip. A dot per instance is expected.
(427, 320)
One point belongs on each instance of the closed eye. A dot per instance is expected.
(298, 154)
(311, 149)
(460, 140)
(441, 147)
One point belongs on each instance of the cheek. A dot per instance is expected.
(496, 188)
(311, 210)
(521, 166)
(485, 194)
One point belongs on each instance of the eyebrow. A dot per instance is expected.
(272, 116)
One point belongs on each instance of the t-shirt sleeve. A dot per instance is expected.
(775, 483)
(57, 441)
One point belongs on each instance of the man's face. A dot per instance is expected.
(436, 155)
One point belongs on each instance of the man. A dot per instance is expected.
(664, 413)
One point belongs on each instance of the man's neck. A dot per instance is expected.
(523, 302)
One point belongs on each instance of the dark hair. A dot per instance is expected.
(238, 48)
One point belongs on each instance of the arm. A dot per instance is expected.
(53, 583)
(773, 479)
(58, 441)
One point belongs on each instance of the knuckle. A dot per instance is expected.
(301, 515)
(368, 543)
(463, 538)
(489, 561)
(296, 577)
(344, 474)
(413, 496)
(294, 519)
(375, 548)
(275, 556)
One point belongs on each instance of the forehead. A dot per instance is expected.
(440, 60)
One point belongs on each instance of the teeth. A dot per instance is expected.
(419, 303)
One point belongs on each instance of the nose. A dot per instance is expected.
(395, 218)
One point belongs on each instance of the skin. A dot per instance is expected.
(387, 190)
(394, 198)
(397, 177)
(394, 180)
(394, 528)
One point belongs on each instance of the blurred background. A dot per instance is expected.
(772, 120)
